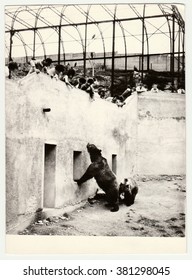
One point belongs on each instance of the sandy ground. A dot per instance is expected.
(159, 210)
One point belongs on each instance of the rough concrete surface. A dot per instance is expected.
(161, 134)
(159, 211)
(147, 136)
(74, 120)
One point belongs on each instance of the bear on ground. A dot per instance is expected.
(128, 191)
(105, 178)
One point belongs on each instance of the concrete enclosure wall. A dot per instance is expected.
(45, 152)
(161, 134)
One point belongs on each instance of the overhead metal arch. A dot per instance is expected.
(12, 31)
(18, 35)
(146, 33)
(15, 18)
(60, 39)
(59, 29)
(35, 31)
(87, 14)
(175, 18)
(113, 53)
(85, 46)
(168, 23)
(72, 24)
(114, 17)
(38, 17)
(123, 33)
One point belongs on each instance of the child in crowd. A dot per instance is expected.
(56, 72)
(69, 77)
(37, 65)
(88, 87)
(81, 82)
(154, 88)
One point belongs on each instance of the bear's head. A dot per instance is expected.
(93, 151)
(125, 186)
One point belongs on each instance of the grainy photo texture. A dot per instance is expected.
(95, 120)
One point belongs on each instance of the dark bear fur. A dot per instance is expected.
(128, 190)
(105, 178)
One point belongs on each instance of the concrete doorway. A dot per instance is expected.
(49, 176)
(77, 163)
(114, 163)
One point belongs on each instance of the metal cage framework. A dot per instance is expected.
(117, 22)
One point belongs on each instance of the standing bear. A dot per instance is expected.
(105, 178)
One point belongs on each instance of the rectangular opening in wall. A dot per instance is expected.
(114, 163)
(77, 165)
(49, 176)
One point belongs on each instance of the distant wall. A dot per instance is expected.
(161, 134)
(156, 62)
(74, 120)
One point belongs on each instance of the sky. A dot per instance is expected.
(128, 34)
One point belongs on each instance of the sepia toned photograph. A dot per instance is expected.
(95, 121)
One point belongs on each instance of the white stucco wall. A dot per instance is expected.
(74, 120)
(147, 135)
(161, 134)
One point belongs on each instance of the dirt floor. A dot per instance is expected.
(159, 210)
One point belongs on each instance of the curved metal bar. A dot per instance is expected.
(181, 24)
(34, 35)
(12, 32)
(19, 10)
(103, 41)
(100, 31)
(179, 54)
(76, 27)
(42, 42)
(183, 57)
(124, 38)
(18, 35)
(72, 24)
(35, 31)
(145, 29)
(38, 14)
(173, 52)
(61, 17)
(147, 40)
(168, 24)
(85, 46)
(125, 44)
(143, 44)
(15, 16)
(69, 22)
(113, 53)
(60, 37)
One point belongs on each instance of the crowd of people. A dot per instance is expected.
(64, 73)
(67, 74)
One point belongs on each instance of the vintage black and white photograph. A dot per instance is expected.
(95, 120)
